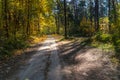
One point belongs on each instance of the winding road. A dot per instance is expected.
(43, 65)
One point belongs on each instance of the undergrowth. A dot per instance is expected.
(107, 42)
(11, 46)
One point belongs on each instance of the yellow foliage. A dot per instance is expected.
(86, 27)
(32, 41)
(104, 24)
(36, 39)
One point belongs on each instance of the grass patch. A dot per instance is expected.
(106, 44)
(103, 46)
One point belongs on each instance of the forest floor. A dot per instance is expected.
(56, 59)
(83, 62)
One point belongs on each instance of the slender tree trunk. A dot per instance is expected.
(57, 19)
(114, 10)
(109, 14)
(28, 17)
(65, 24)
(6, 18)
(96, 15)
(57, 28)
(91, 16)
(39, 25)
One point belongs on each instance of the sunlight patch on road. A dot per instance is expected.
(43, 48)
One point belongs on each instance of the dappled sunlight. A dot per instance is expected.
(44, 48)
(90, 54)
(83, 62)
(44, 64)
(59, 39)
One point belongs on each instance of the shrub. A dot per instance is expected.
(117, 45)
(10, 45)
(104, 37)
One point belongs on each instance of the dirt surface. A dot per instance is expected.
(11, 65)
(42, 65)
(82, 62)
(61, 60)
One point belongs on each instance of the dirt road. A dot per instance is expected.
(44, 65)
(67, 60)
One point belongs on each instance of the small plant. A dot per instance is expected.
(117, 46)
(10, 45)
(104, 37)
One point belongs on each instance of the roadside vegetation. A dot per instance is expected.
(17, 47)
(23, 22)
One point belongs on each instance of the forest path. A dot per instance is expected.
(44, 65)
(80, 61)
(67, 60)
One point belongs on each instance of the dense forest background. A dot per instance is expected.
(20, 20)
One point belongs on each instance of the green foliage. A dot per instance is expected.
(104, 37)
(117, 45)
(10, 45)
(85, 27)
(4, 53)
(20, 19)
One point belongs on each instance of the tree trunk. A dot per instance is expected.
(114, 10)
(28, 17)
(96, 15)
(109, 14)
(5, 10)
(65, 19)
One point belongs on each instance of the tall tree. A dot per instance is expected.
(5, 17)
(65, 19)
(109, 14)
(96, 15)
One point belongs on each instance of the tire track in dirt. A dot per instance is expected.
(43, 65)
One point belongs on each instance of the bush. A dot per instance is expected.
(15, 44)
(104, 37)
(117, 45)
(11, 45)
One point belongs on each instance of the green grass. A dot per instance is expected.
(108, 46)
(103, 46)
